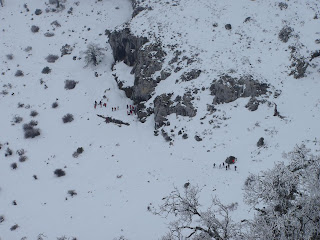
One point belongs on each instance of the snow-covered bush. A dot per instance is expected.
(17, 119)
(93, 54)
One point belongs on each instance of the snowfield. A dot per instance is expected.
(124, 169)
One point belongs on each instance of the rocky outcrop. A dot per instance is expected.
(145, 61)
(193, 74)
(125, 46)
(228, 89)
(164, 106)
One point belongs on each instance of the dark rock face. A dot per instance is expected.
(228, 89)
(125, 46)
(260, 143)
(38, 12)
(164, 106)
(145, 62)
(148, 61)
(285, 34)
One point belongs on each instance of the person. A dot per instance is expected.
(214, 165)
(112, 109)
(226, 167)
(130, 112)
(223, 164)
(105, 105)
(100, 103)
(235, 168)
(127, 106)
(95, 104)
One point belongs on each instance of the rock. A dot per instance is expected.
(185, 136)
(314, 55)
(38, 12)
(35, 29)
(49, 34)
(228, 26)
(125, 46)
(260, 143)
(197, 138)
(164, 106)
(231, 160)
(285, 34)
(228, 89)
(248, 19)
(145, 62)
(193, 74)
(299, 67)
(253, 104)
(317, 41)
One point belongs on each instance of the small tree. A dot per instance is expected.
(93, 54)
(194, 222)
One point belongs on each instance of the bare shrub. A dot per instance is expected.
(46, 70)
(67, 118)
(20, 152)
(14, 165)
(55, 105)
(34, 113)
(19, 73)
(8, 153)
(72, 193)
(9, 56)
(78, 152)
(32, 133)
(70, 84)
(1, 218)
(14, 227)
(59, 172)
(17, 119)
(23, 158)
(52, 58)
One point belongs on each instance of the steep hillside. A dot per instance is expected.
(206, 80)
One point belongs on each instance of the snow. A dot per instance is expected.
(124, 169)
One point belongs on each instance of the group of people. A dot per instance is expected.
(227, 166)
(131, 110)
(104, 105)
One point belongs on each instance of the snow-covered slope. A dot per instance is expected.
(125, 168)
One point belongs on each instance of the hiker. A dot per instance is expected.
(214, 165)
(223, 163)
(235, 168)
(100, 103)
(105, 105)
(127, 106)
(130, 112)
(95, 104)
(112, 109)
(226, 167)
